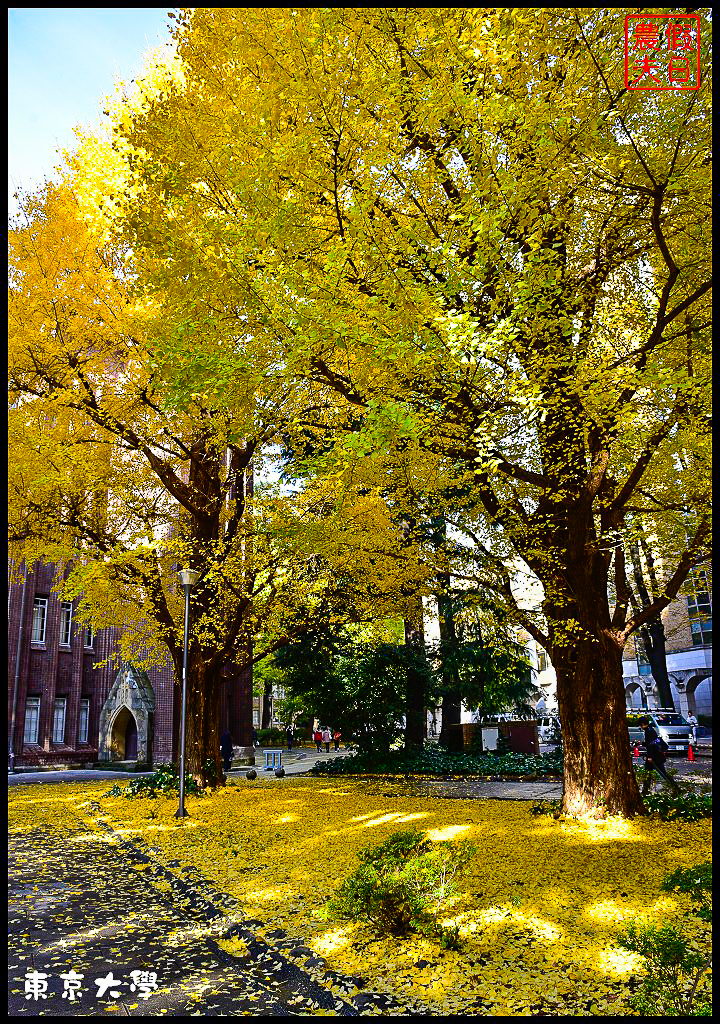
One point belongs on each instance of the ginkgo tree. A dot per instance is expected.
(463, 223)
(120, 484)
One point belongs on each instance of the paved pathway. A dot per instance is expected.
(696, 775)
(296, 762)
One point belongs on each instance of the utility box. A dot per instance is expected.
(522, 736)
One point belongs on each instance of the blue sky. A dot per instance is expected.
(62, 62)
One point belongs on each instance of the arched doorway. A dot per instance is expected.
(131, 740)
(123, 737)
(126, 719)
(699, 694)
(635, 696)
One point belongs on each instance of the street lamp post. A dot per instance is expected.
(188, 578)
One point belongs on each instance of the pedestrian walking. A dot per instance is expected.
(226, 749)
(693, 723)
(655, 754)
(317, 736)
(327, 736)
(256, 741)
(336, 736)
(289, 734)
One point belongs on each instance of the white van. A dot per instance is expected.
(548, 728)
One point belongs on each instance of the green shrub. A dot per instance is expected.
(401, 884)
(433, 760)
(673, 968)
(165, 779)
(685, 807)
(272, 737)
(695, 882)
(502, 745)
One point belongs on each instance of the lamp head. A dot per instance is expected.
(189, 577)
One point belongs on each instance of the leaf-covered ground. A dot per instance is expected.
(538, 908)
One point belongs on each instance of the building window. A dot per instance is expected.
(700, 612)
(542, 660)
(701, 632)
(84, 720)
(65, 623)
(32, 719)
(89, 637)
(58, 733)
(39, 620)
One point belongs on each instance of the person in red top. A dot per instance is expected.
(336, 736)
(317, 736)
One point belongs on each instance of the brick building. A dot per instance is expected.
(69, 704)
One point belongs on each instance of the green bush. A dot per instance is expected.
(673, 968)
(685, 807)
(696, 882)
(433, 760)
(272, 737)
(502, 745)
(165, 779)
(401, 884)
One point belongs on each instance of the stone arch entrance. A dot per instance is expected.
(686, 682)
(635, 696)
(695, 683)
(126, 719)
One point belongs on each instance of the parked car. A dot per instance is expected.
(549, 729)
(669, 725)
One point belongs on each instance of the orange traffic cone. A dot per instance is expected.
(691, 755)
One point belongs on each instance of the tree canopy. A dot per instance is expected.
(469, 255)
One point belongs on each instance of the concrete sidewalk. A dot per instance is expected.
(695, 775)
(295, 762)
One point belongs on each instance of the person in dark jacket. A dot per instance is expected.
(655, 758)
(226, 749)
(289, 734)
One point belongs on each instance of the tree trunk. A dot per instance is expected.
(451, 701)
(202, 729)
(266, 705)
(598, 772)
(653, 640)
(653, 632)
(416, 682)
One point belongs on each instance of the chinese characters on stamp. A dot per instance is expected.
(142, 982)
(662, 52)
